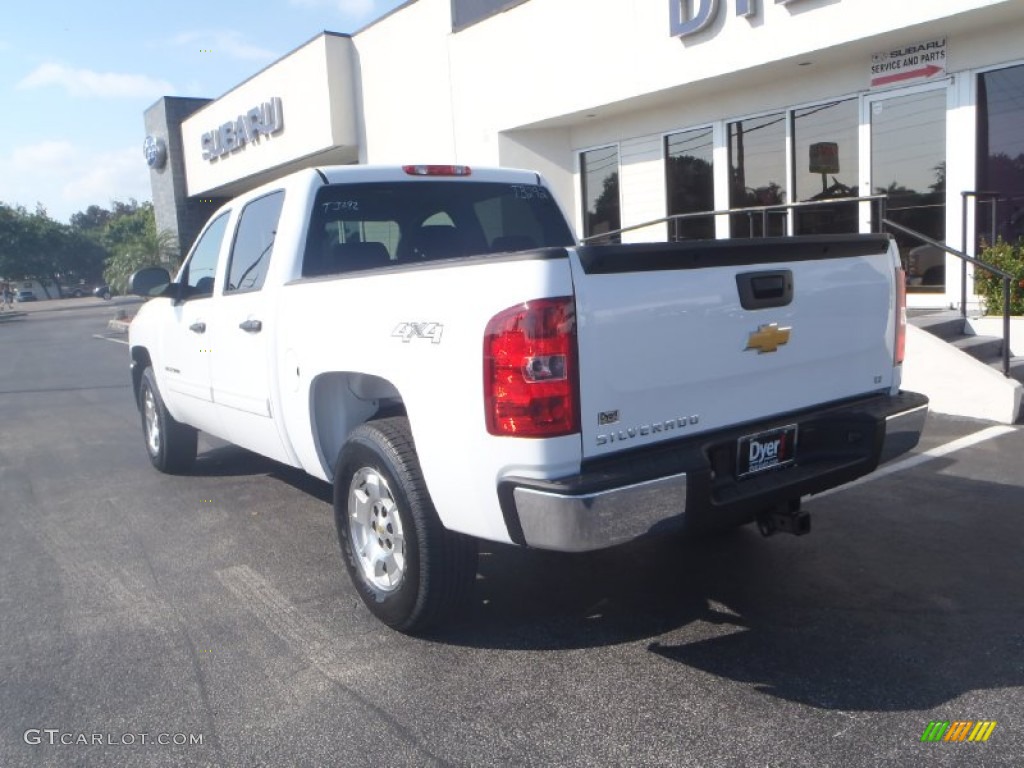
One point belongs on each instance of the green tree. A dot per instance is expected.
(1008, 257)
(605, 215)
(33, 246)
(133, 241)
(92, 219)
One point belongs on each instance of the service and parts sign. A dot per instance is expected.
(913, 63)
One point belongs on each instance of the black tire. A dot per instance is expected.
(106, 295)
(433, 569)
(171, 445)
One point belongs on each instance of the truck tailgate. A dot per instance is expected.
(681, 338)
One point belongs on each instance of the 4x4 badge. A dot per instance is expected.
(768, 338)
(409, 331)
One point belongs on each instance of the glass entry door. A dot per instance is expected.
(908, 163)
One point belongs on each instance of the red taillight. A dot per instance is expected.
(901, 315)
(437, 170)
(530, 376)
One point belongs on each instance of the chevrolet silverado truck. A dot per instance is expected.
(432, 342)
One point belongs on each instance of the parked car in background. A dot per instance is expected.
(103, 292)
(23, 296)
(926, 266)
(73, 291)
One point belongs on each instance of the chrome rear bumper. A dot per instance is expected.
(616, 501)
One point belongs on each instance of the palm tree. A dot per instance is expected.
(147, 249)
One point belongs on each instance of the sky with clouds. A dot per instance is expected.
(76, 77)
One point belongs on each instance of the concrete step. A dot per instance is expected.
(1016, 367)
(946, 324)
(983, 348)
(949, 326)
(1016, 373)
(962, 372)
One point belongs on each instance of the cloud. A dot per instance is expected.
(112, 175)
(355, 9)
(228, 43)
(66, 178)
(85, 82)
(45, 154)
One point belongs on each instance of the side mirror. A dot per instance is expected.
(149, 282)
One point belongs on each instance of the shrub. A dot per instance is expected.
(1010, 259)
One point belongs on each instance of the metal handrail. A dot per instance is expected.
(965, 259)
(750, 211)
(976, 194)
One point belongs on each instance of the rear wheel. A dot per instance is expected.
(409, 570)
(170, 444)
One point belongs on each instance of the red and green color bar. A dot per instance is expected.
(958, 730)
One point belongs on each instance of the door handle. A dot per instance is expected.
(198, 327)
(251, 326)
(765, 290)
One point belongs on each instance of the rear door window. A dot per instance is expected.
(254, 243)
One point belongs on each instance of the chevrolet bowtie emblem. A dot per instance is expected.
(768, 338)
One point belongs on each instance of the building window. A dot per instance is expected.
(467, 12)
(599, 171)
(1001, 153)
(908, 163)
(757, 174)
(690, 183)
(825, 153)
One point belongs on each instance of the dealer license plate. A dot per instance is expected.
(773, 449)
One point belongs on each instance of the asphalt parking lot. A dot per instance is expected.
(211, 615)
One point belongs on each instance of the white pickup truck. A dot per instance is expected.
(431, 340)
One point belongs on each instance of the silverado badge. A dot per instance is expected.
(768, 338)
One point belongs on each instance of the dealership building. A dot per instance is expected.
(737, 118)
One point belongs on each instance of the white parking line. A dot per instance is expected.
(107, 338)
(910, 462)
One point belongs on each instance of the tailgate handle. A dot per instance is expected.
(764, 290)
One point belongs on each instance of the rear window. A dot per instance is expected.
(364, 226)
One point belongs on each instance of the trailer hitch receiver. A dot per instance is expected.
(785, 518)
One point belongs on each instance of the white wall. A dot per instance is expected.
(406, 90)
(547, 151)
(316, 84)
(536, 84)
(547, 58)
